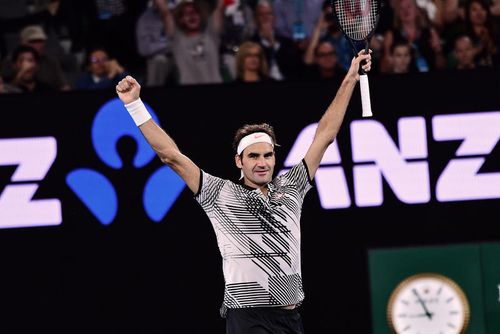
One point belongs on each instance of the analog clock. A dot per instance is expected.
(428, 304)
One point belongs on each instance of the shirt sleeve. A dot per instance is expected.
(298, 176)
(210, 188)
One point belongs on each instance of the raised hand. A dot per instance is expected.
(128, 89)
(355, 63)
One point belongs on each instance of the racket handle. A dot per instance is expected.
(365, 96)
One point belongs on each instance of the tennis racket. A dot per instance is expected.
(357, 19)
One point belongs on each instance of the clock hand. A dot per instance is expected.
(420, 315)
(421, 301)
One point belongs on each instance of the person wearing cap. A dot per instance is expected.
(256, 219)
(25, 61)
(49, 71)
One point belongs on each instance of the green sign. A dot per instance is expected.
(430, 304)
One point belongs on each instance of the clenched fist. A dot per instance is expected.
(128, 89)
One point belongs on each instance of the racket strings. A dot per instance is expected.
(357, 18)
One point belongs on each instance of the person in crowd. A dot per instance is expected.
(321, 56)
(412, 25)
(282, 54)
(327, 30)
(256, 219)
(251, 63)
(49, 69)
(25, 64)
(464, 54)
(102, 71)
(110, 23)
(484, 31)
(195, 40)
(154, 45)
(401, 58)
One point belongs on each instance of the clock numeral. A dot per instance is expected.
(405, 302)
(402, 315)
(454, 312)
(406, 328)
(449, 300)
(451, 325)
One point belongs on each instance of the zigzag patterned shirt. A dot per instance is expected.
(258, 237)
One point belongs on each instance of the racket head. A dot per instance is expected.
(357, 19)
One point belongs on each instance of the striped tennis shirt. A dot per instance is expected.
(258, 237)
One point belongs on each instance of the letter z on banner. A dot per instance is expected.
(33, 158)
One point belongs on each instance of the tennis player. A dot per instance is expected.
(256, 219)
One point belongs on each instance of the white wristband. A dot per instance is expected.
(138, 111)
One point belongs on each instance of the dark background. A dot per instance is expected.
(138, 276)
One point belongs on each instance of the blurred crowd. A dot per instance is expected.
(50, 45)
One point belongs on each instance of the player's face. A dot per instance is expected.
(257, 163)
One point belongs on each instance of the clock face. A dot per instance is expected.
(428, 304)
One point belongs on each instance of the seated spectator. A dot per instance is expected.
(401, 58)
(102, 72)
(5, 88)
(282, 55)
(412, 25)
(321, 56)
(49, 69)
(484, 31)
(195, 40)
(251, 64)
(463, 57)
(25, 64)
(325, 64)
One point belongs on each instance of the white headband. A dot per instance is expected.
(253, 138)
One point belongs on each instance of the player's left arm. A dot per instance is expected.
(331, 120)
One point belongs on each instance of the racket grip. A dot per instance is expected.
(365, 96)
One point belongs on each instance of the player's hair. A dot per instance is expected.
(247, 129)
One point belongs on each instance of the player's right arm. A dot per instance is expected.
(128, 91)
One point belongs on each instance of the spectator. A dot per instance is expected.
(401, 58)
(325, 64)
(321, 56)
(463, 53)
(282, 54)
(50, 71)
(412, 25)
(110, 23)
(480, 25)
(195, 41)
(102, 72)
(153, 44)
(25, 60)
(251, 64)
